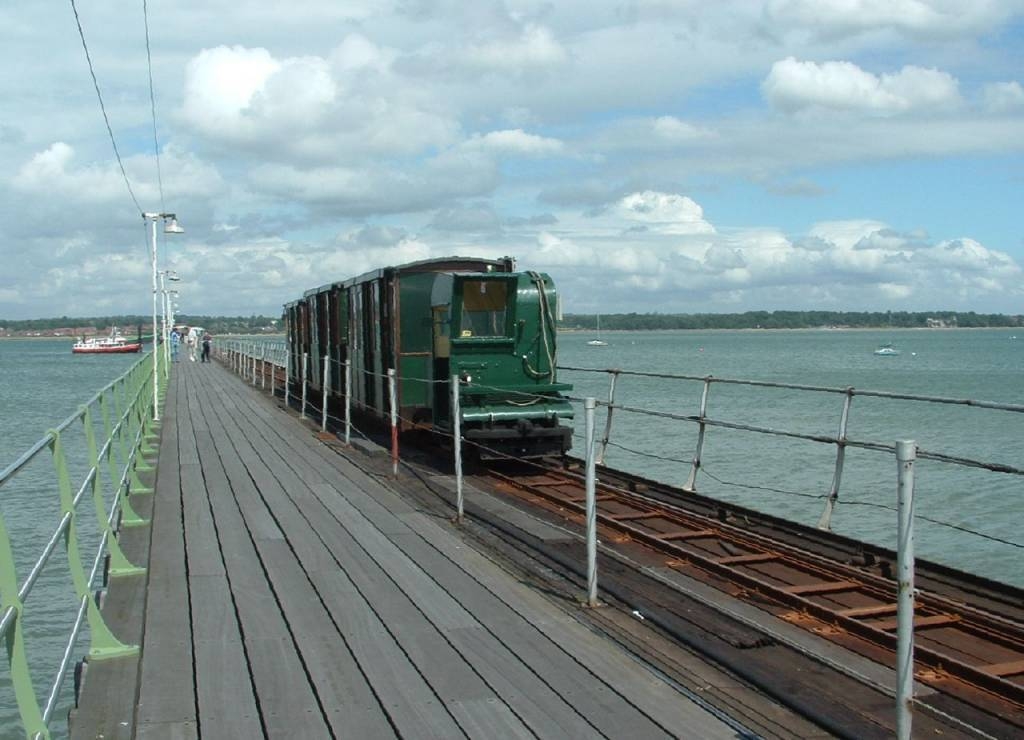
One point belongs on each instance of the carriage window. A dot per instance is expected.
(484, 304)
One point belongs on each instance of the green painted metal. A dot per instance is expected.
(119, 564)
(24, 693)
(503, 346)
(120, 411)
(114, 462)
(104, 644)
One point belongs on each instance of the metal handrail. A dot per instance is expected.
(800, 387)
(126, 430)
(840, 440)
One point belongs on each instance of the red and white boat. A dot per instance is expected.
(114, 344)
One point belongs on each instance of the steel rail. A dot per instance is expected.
(981, 624)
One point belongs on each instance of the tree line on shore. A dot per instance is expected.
(257, 324)
(794, 320)
(214, 324)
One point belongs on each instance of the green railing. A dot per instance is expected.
(121, 416)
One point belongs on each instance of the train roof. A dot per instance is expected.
(437, 264)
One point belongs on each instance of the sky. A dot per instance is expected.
(652, 156)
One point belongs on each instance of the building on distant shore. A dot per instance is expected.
(949, 323)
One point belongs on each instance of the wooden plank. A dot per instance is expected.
(821, 587)
(643, 699)
(201, 543)
(106, 703)
(635, 516)
(509, 514)
(1011, 668)
(288, 703)
(868, 611)
(167, 731)
(518, 639)
(166, 691)
(227, 706)
(695, 534)
(440, 664)
(536, 632)
(384, 664)
(341, 682)
(584, 685)
(754, 557)
(280, 680)
(920, 622)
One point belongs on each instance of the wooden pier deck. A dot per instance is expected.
(291, 595)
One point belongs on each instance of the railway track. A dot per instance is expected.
(969, 633)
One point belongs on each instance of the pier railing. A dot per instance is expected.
(268, 364)
(841, 441)
(95, 454)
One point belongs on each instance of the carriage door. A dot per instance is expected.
(442, 364)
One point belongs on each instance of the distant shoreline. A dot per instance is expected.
(575, 330)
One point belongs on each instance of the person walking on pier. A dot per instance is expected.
(175, 344)
(190, 342)
(207, 341)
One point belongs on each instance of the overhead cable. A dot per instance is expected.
(106, 119)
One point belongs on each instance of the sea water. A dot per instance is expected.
(967, 518)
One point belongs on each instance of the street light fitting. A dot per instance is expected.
(171, 225)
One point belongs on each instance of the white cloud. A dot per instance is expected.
(1003, 96)
(793, 85)
(534, 48)
(666, 212)
(303, 146)
(933, 19)
(515, 141)
(841, 264)
(360, 191)
(349, 105)
(55, 173)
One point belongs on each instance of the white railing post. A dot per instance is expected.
(608, 419)
(305, 374)
(825, 522)
(457, 442)
(906, 453)
(287, 375)
(589, 404)
(326, 382)
(273, 371)
(263, 366)
(348, 402)
(691, 482)
(393, 393)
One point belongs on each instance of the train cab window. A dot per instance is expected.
(484, 306)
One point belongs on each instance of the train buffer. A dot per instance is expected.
(290, 595)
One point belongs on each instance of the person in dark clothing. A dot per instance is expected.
(207, 341)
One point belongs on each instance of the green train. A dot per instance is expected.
(474, 318)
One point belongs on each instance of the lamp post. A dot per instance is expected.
(170, 227)
(165, 299)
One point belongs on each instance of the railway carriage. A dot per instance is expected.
(474, 318)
